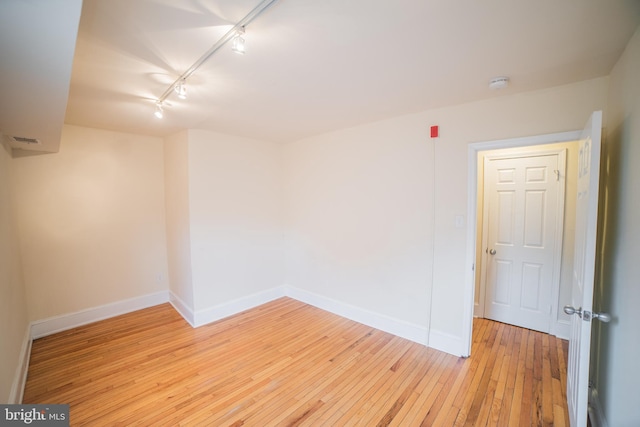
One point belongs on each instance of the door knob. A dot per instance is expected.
(492, 251)
(588, 316)
(603, 317)
(569, 309)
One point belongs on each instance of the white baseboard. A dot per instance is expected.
(51, 325)
(446, 342)
(20, 377)
(182, 308)
(410, 331)
(596, 415)
(211, 314)
(416, 333)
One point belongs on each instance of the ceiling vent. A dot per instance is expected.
(24, 140)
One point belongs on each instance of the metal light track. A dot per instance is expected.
(257, 11)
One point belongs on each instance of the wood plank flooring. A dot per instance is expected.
(290, 364)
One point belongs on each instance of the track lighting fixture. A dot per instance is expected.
(159, 111)
(238, 42)
(181, 90)
(235, 35)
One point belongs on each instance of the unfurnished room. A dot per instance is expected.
(319, 213)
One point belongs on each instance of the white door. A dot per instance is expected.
(524, 205)
(583, 271)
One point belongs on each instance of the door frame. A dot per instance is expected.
(561, 154)
(472, 203)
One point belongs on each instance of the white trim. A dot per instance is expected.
(476, 310)
(446, 342)
(20, 377)
(560, 225)
(479, 310)
(468, 295)
(472, 195)
(596, 414)
(208, 315)
(51, 325)
(410, 331)
(182, 308)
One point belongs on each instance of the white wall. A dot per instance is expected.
(176, 182)
(359, 209)
(617, 344)
(235, 205)
(13, 308)
(370, 210)
(91, 221)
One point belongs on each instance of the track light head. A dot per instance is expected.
(238, 42)
(181, 89)
(159, 113)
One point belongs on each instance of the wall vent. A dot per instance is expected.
(25, 140)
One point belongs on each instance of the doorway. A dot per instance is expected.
(559, 325)
(521, 207)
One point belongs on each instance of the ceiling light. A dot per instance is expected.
(498, 83)
(235, 35)
(181, 90)
(159, 113)
(238, 42)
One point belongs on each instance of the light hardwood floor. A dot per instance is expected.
(290, 364)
